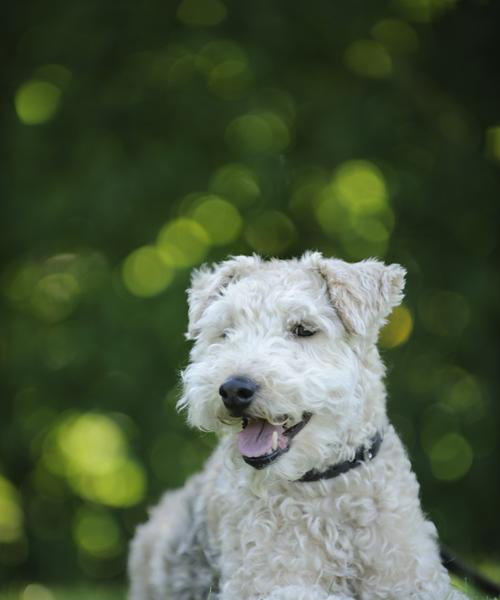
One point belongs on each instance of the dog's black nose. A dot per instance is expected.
(237, 394)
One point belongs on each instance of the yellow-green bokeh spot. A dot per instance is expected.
(493, 143)
(35, 591)
(220, 219)
(461, 392)
(372, 230)
(37, 102)
(188, 203)
(360, 185)
(230, 79)
(11, 515)
(465, 396)
(55, 296)
(51, 289)
(174, 67)
(424, 10)
(90, 443)
(258, 133)
(451, 457)
(124, 486)
(353, 209)
(90, 451)
(180, 71)
(237, 183)
(271, 232)
(22, 283)
(201, 13)
(275, 100)
(217, 52)
(396, 35)
(183, 242)
(97, 533)
(368, 58)
(398, 328)
(145, 272)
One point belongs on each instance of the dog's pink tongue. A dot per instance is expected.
(257, 438)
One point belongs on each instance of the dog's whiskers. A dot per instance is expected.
(227, 420)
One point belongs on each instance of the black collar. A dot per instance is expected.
(363, 454)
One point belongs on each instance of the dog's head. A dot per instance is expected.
(285, 360)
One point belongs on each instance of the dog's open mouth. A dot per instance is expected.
(261, 442)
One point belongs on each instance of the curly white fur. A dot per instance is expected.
(234, 532)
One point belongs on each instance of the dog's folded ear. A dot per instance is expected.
(208, 283)
(362, 293)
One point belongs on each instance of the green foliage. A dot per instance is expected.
(140, 140)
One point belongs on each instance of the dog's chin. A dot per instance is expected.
(261, 443)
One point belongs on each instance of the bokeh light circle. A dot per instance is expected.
(451, 457)
(398, 328)
(145, 273)
(220, 219)
(230, 79)
(96, 532)
(35, 591)
(11, 515)
(36, 102)
(90, 451)
(353, 209)
(368, 58)
(258, 133)
(270, 232)
(236, 182)
(183, 242)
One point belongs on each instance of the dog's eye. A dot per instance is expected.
(300, 330)
(225, 333)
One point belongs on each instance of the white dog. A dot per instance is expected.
(310, 494)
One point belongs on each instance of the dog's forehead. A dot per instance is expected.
(281, 283)
(283, 274)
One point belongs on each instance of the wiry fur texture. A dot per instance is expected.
(241, 533)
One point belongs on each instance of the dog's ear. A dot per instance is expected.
(363, 293)
(208, 283)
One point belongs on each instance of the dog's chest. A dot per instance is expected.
(301, 538)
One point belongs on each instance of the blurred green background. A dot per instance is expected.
(142, 139)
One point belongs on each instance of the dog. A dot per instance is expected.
(310, 494)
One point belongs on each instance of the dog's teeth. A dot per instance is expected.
(275, 440)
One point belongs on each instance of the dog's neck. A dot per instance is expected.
(364, 453)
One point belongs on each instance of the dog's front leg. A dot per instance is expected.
(170, 556)
(293, 592)
(298, 592)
